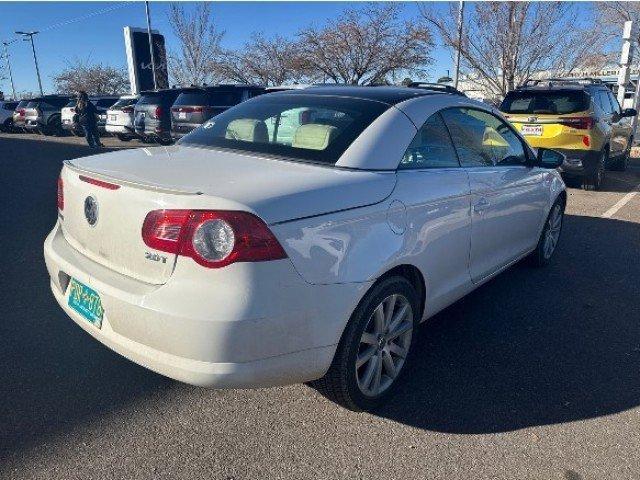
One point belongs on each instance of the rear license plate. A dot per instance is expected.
(532, 130)
(86, 302)
(182, 115)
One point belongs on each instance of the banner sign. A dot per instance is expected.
(136, 41)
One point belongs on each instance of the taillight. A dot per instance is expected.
(158, 112)
(213, 239)
(60, 194)
(72, 110)
(581, 123)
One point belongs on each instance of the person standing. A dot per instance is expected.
(87, 112)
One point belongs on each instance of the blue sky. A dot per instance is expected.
(100, 37)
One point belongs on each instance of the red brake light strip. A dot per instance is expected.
(99, 183)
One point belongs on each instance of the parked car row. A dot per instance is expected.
(153, 116)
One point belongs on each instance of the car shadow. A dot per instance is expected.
(534, 346)
(53, 376)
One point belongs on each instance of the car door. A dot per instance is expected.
(508, 197)
(620, 127)
(435, 192)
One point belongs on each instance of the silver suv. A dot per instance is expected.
(42, 114)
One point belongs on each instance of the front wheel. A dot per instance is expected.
(122, 137)
(550, 236)
(374, 347)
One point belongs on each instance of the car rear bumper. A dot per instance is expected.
(579, 163)
(119, 129)
(244, 326)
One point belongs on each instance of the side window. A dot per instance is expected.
(614, 103)
(431, 147)
(603, 101)
(482, 139)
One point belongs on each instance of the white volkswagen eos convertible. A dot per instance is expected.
(300, 236)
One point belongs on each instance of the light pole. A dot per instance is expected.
(35, 59)
(153, 60)
(6, 56)
(456, 74)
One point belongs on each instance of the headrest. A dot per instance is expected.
(314, 136)
(247, 130)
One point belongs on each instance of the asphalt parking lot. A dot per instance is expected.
(536, 375)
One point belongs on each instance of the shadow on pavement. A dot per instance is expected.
(535, 346)
(52, 374)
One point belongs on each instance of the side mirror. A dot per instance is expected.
(548, 158)
(629, 112)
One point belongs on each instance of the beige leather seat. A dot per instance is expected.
(247, 130)
(314, 136)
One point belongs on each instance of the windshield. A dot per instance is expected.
(304, 127)
(545, 102)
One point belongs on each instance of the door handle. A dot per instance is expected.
(481, 206)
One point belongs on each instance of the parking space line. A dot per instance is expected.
(622, 202)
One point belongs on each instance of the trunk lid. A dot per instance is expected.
(193, 178)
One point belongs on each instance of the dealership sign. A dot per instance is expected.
(136, 41)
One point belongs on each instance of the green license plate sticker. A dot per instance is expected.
(86, 302)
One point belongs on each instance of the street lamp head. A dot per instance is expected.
(27, 34)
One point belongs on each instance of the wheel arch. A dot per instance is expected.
(413, 275)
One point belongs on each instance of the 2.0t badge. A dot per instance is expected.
(91, 210)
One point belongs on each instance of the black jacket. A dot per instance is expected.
(87, 116)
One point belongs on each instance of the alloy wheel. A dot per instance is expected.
(552, 234)
(384, 345)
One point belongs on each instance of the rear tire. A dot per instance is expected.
(596, 179)
(122, 137)
(372, 356)
(620, 165)
(550, 236)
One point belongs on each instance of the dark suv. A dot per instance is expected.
(579, 117)
(152, 115)
(196, 105)
(42, 114)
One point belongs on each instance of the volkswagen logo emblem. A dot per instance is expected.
(91, 210)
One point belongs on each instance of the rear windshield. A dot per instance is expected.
(149, 99)
(22, 104)
(33, 104)
(72, 103)
(125, 102)
(543, 102)
(302, 127)
(222, 99)
(105, 102)
(158, 97)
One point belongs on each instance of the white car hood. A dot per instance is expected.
(276, 190)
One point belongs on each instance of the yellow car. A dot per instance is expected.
(580, 118)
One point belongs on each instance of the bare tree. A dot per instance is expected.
(264, 61)
(195, 61)
(365, 45)
(506, 43)
(612, 15)
(91, 78)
